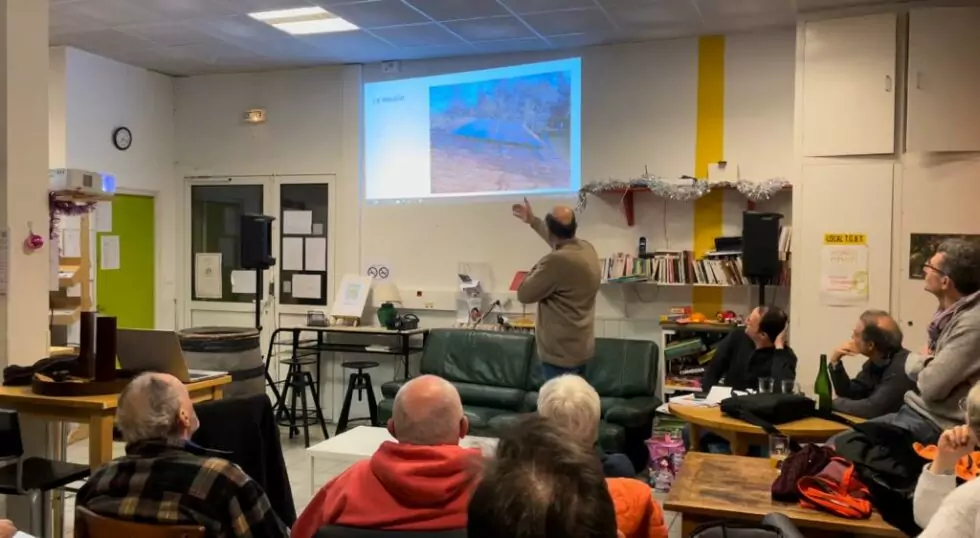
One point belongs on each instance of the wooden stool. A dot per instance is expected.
(359, 381)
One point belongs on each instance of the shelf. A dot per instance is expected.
(694, 327)
(65, 317)
(628, 280)
(629, 195)
(680, 388)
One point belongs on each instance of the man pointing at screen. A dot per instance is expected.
(564, 283)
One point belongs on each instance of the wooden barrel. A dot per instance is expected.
(235, 350)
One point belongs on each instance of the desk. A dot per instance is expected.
(742, 435)
(710, 487)
(96, 411)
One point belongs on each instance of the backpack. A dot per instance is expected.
(836, 490)
(808, 461)
(765, 410)
(772, 526)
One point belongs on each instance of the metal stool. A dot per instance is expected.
(359, 381)
(297, 381)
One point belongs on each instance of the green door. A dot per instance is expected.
(128, 292)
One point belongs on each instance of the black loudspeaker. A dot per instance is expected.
(256, 242)
(760, 245)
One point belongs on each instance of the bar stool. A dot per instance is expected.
(298, 380)
(359, 381)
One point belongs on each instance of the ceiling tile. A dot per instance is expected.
(513, 45)
(652, 14)
(490, 29)
(448, 10)
(103, 42)
(356, 47)
(814, 5)
(574, 41)
(418, 35)
(378, 13)
(187, 9)
(533, 6)
(721, 10)
(64, 19)
(237, 28)
(441, 51)
(252, 6)
(166, 34)
(570, 21)
(111, 12)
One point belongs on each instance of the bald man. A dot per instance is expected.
(167, 479)
(564, 283)
(880, 386)
(422, 482)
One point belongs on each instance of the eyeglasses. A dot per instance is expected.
(963, 404)
(933, 268)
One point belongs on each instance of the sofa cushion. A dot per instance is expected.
(480, 417)
(497, 359)
(390, 388)
(505, 398)
(623, 368)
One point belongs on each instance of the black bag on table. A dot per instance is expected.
(767, 410)
(772, 526)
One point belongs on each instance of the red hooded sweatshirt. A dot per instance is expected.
(402, 487)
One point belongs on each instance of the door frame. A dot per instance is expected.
(272, 310)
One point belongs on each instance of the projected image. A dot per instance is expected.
(506, 134)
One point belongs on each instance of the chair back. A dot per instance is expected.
(11, 445)
(336, 531)
(91, 525)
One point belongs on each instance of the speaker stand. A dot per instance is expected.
(258, 300)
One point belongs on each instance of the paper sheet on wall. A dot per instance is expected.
(71, 243)
(297, 222)
(292, 253)
(110, 252)
(316, 253)
(307, 287)
(207, 275)
(844, 270)
(243, 281)
(103, 217)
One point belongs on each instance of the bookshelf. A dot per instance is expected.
(685, 350)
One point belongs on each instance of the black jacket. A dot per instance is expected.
(877, 390)
(246, 427)
(740, 364)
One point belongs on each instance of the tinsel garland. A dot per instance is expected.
(59, 208)
(683, 189)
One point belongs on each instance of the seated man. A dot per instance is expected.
(574, 405)
(756, 351)
(880, 386)
(166, 479)
(420, 483)
(541, 484)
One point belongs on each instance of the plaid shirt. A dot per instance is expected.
(178, 482)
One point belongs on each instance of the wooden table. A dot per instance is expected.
(742, 435)
(712, 487)
(96, 411)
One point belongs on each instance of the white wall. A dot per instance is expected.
(90, 96)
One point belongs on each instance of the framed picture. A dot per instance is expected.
(352, 296)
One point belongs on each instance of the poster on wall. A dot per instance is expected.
(844, 269)
(923, 246)
(207, 275)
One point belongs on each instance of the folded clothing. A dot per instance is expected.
(967, 468)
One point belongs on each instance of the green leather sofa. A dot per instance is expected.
(498, 375)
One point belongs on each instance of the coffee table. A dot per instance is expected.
(362, 442)
(712, 487)
(742, 435)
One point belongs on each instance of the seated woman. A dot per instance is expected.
(941, 508)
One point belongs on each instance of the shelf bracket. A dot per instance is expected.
(628, 206)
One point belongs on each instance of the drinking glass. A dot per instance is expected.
(789, 386)
(778, 450)
(766, 385)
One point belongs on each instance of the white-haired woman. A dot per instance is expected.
(941, 508)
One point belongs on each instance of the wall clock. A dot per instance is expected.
(122, 138)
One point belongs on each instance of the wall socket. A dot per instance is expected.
(391, 66)
(430, 305)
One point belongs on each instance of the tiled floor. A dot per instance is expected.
(298, 466)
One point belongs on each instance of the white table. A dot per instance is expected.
(362, 442)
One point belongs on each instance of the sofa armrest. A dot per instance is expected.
(633, 412)
(390, 388)
(783, 523)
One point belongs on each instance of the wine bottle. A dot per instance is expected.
(822, 386)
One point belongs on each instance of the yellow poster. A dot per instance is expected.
(844, 269)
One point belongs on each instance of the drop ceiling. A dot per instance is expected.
(187, 37)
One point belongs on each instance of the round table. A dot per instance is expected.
(742, 435)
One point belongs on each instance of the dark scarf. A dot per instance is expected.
(942, 318)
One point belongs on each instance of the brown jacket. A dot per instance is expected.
(564, 283)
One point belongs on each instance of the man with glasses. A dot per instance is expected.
(949, 364)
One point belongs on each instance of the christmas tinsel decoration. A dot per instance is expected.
(684, 189)
(59, 208)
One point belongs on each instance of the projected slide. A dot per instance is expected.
(512, 130)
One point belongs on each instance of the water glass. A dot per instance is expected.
(766, 385)
(789, 386)
(778, 450)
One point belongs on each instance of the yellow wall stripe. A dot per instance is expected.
(709, 148)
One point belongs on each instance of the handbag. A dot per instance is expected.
(766, 410)
(772, 526)
(808, 461)
(836, 490)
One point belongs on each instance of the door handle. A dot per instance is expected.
(888, 83)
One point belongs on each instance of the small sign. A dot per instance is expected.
(845, 239)
(378, 272)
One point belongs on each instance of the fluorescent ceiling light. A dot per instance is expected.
(304, 21)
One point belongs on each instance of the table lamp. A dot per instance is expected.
(387, 294)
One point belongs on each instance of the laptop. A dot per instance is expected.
(146, 350)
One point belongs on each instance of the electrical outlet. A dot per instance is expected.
(430, 305)
(392, 66)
